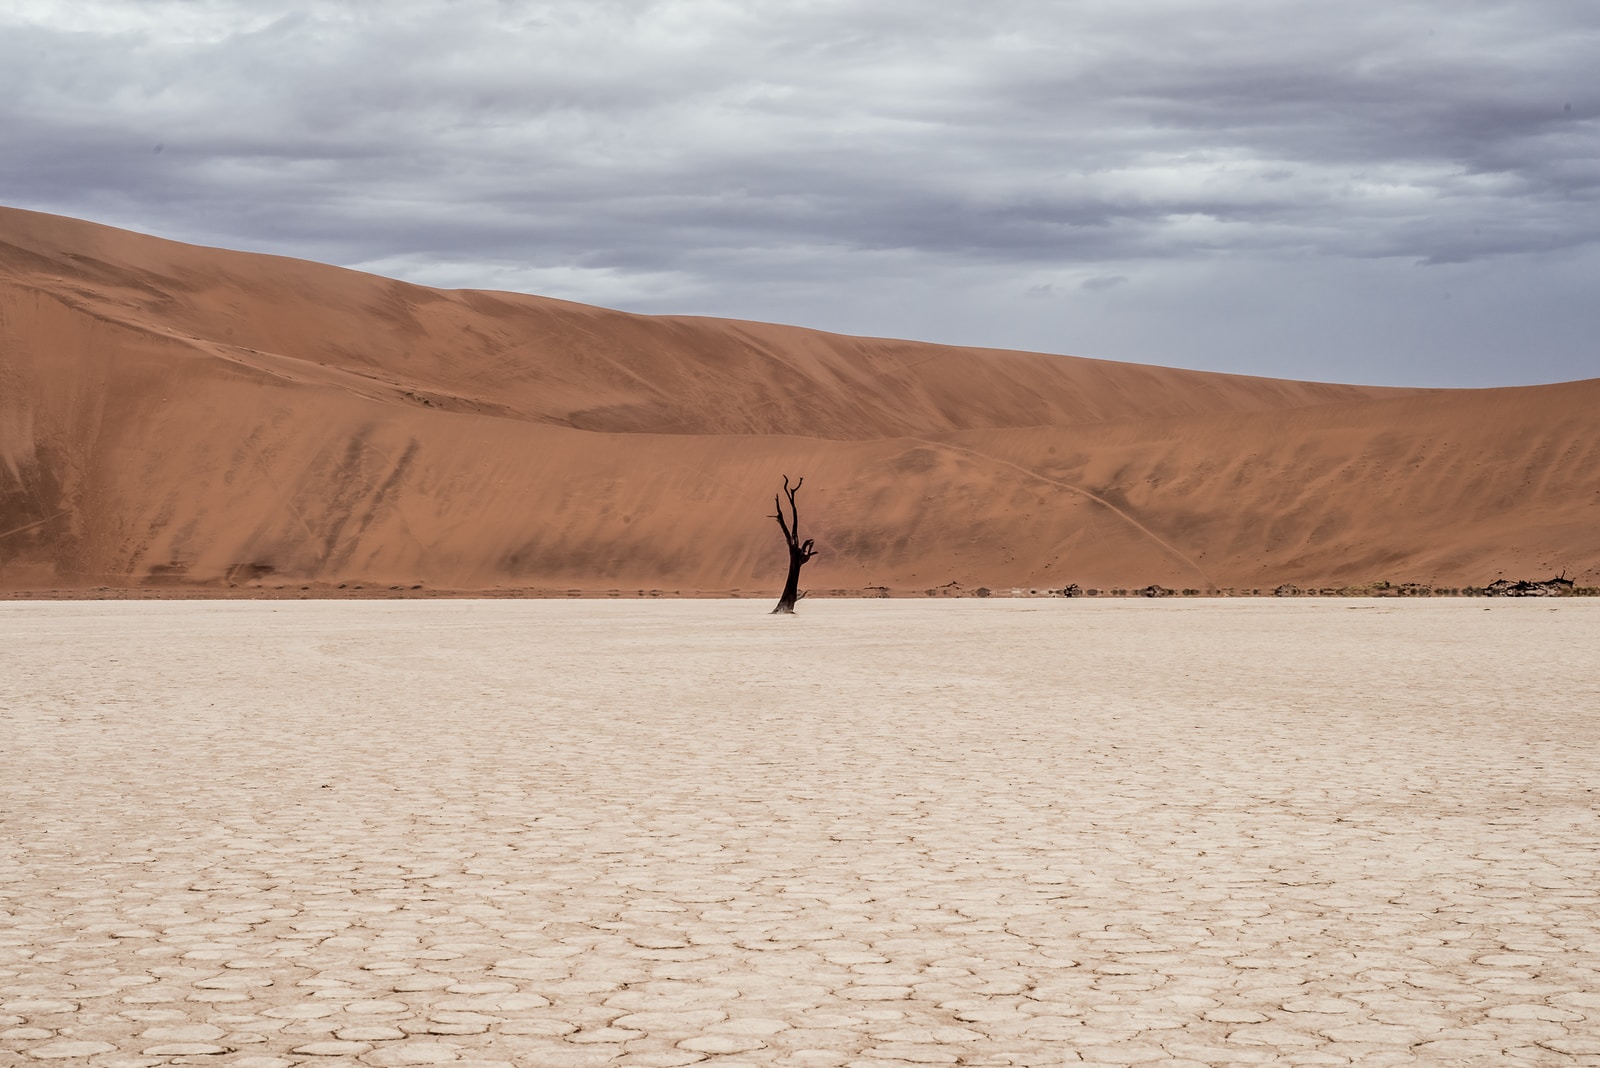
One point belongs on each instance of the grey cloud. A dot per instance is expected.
(735, 158)
(1103, 281)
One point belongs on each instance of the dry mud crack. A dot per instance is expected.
(878, 833)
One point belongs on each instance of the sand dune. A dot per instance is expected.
(187, 418)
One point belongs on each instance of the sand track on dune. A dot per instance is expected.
(1087, 495)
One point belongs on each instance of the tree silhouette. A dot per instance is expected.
(799, 551)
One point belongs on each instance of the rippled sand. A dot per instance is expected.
(877, 833)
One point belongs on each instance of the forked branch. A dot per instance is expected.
(799, 551)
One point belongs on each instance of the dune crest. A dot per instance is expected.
(185, 418)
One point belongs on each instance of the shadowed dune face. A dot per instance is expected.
(185, 417)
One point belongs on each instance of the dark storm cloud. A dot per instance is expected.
(1035, 174)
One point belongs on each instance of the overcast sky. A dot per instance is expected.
(1372, 191)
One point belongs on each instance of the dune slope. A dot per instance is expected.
(181, 417)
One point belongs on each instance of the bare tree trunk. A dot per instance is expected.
(791, 585)
(799, 552)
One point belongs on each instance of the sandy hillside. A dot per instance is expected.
(190, 418)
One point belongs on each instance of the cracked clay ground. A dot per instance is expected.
(879, 833)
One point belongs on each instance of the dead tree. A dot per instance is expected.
(799, 551)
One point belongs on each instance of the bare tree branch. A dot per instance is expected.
(799, 552)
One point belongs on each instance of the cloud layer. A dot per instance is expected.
(1371, 191)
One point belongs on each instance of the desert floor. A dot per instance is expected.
(877, 833)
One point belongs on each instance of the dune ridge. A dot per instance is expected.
(181, 419)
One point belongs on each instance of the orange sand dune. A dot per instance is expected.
(190, 418)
